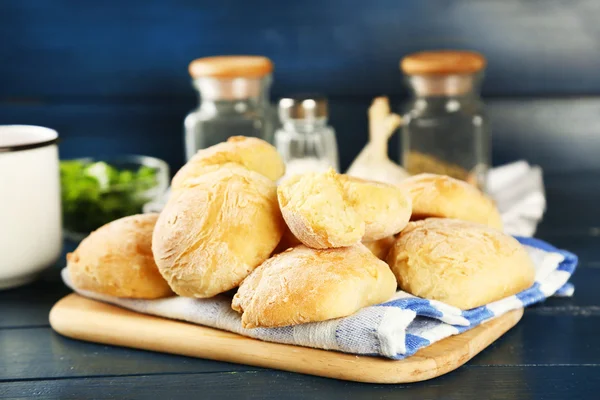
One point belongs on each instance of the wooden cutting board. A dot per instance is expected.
(81, 318)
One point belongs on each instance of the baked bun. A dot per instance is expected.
(252, 153)
(460, 263)
(116, 260)
(380, 248)
(328, 210)
(445, 197)
(211, 235)
(304, 285)
(383, 207)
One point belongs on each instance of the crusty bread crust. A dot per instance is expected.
(383, 207)
(252, 153)
(445, 197)
(211, 235)
(330, 210)
(460, 263)
(304, 285)
(116, 260)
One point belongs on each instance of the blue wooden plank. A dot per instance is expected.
(97, 130)
(30, 305)
(40, 353)
(573, 209)
(550, 132)
(547, 339)
(142, 48)
(552, 383)
(558, 134)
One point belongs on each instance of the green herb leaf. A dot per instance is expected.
(94, 194)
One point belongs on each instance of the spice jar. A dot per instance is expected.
(234, 100)
(445, 130)
(305, 141)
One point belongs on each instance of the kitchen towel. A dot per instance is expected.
(395, 329)
(517, 188)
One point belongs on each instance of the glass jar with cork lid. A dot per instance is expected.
(445, 130)
(234, 101)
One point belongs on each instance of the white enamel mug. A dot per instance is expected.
(30, 208)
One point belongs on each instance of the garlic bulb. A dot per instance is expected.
(373, 162)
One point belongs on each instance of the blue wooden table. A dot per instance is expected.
(553, 353)
(112, 78)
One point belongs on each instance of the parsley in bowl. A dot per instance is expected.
(95, 192)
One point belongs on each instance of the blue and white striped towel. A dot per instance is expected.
(395, 329)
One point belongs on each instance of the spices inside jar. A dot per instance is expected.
(445, 130)
(419, 163)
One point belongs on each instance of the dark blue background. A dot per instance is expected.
(111, 76)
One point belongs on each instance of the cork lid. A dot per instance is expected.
(443, 62)
(231, 67)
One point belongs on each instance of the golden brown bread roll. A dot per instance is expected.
(328, 210)
(211, 235)
(316, 211)
(252, 153)
(304, 285)
(380, 248)
(383, 207)
(116, 260)
(460, 263)
(445, 197)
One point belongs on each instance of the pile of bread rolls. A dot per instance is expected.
(318, 246)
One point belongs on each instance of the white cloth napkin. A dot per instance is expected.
(517, 188)
(395, 329)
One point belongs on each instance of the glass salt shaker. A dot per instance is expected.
(445, 130)
(234, 100)
(305, 141)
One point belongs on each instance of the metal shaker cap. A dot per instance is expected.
(302, 108)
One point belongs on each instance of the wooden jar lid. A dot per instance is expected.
(231, 67)
(442, 62)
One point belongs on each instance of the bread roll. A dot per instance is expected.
(304, 285)
(460, 263)
(116, 260)
(211, 235)
(384, 208)
(380, 248)
(329, 210)
(445, 197)
(316, 211)
(252, 153)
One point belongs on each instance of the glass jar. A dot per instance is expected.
(445, 130)
(305, 141)
(234, 101)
